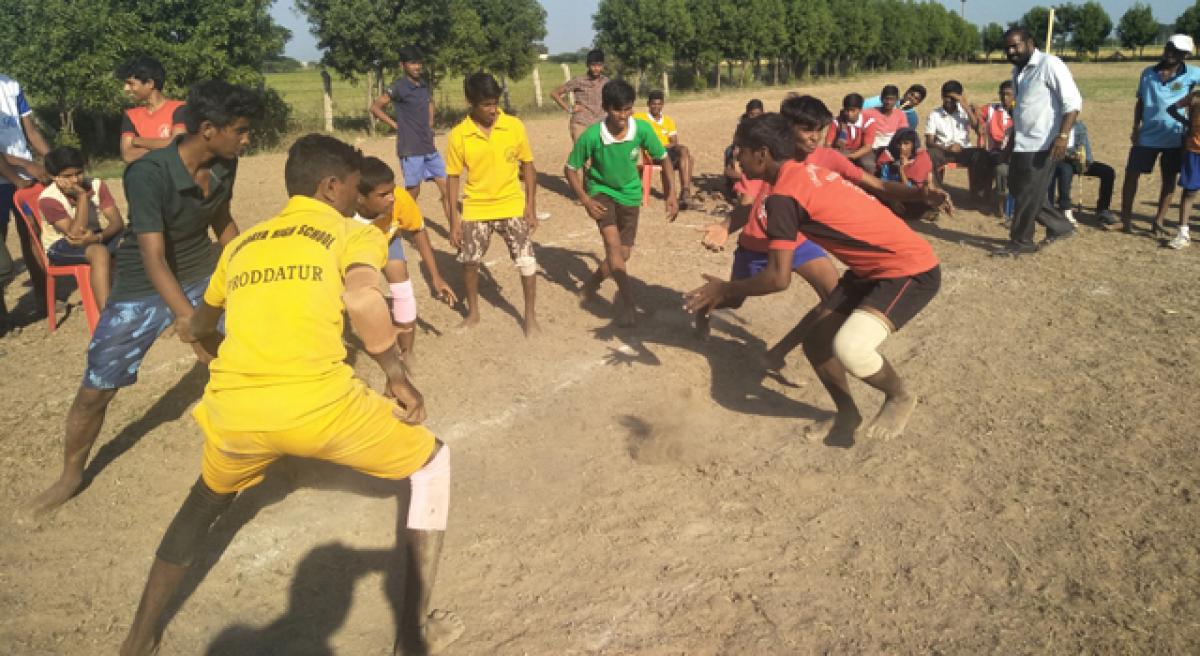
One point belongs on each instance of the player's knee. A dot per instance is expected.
(526, 265)
(856, 344)
(404, 302)
(429, 504)
(187, 531)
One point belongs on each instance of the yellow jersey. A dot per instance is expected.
(493, 187)
(664, 129)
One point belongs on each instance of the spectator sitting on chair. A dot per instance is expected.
(1079, 161)
(81, 222)
(852, 134)
(948, 136)
(995, 124)
(665, 130)
(914, 96)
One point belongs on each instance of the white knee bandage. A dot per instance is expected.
(404, 302)
(429, 506)
(857, 342)
(526, 265)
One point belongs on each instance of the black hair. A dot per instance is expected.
(807, 112)
(617, 94)
(479, 87)
(375, 172)
(754, 104)
(902, 135)
(1007, 84)
(951, 86)
(852, 101)
(62, 158)
(771, 131)
(1020, 30)
(411, 54)
(143, 69)
(890, 90)
(919, 88)
(315, 157)
(595, 56)
(219, 103)
(656, 95)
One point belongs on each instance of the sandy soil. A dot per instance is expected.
(640, 492)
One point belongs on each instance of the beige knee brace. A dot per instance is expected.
(857, 342)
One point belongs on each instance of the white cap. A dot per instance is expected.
(1181, 42)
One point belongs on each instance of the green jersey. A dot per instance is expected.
(614, 161)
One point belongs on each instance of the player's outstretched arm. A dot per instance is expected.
(774, 278)
(204, 328)
(372, 322)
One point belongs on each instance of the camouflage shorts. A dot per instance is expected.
(477, 236)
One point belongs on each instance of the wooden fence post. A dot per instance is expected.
(370, 100)
(567, 78)
(537, 86)
(666, 85)
(327, 92)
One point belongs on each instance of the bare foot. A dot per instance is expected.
(586, 294)
(837, 430)
(703, 327)
(441, 629)
(774, 361)
(627, 318)
(892, 417)
(470, 322)
(532, 328)
(54, 496)
(130, 649)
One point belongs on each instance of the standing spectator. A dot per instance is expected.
(413, 103)
(1079, 161)
(1189, 177)
(1155, 133)
(157, 119)
(948, 136)
(587, 110)
(1047, 103)
(18, 133)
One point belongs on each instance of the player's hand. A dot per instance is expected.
(531, 220)
(411, 405)
(183, 329)
(672, 208)
(715, 236)
(38, 171)
(1059, 150)
(456, 234)
(705, 297)
(206, 349)
(937, 197)
(594, 208)
(444, 292)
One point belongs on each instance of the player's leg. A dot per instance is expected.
(589, 288)
(413, 169)
(683, 162)
(1183, 238)
(100, 261)
(1169, 165)
(477, 235)
(816, 267)
(626, 235)
(1135, 166)
(520, 248)
(824, 322)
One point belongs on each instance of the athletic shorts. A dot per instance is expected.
(396, 249)
(421, 168)
(477, 236)
(624, 217)
(125, 332)
(64, 253)
(1189, 172)
(360, 431)
(898, 299)
(748, 263)
(1141, 160)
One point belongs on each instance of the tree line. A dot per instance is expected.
(1084, 28)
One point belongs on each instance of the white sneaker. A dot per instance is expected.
(1181, 240)
(1070, 214)
(543, 216)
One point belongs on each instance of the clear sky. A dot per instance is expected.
(569, 22)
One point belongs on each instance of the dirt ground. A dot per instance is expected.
(639, 492)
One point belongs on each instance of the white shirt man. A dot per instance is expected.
(1045, 92)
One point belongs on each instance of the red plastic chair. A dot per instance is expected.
(649, 168)
(26, 202)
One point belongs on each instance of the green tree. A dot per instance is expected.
(1189, 21)
(937, 37)
(898, 43)
(703, 50)
(512, 31)
(859, 27)
(642, 33)
(1137, 27)
(1090, 28)
(992, 39)
(810, 27)
(1035, 20)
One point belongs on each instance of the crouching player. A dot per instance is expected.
(279, 384)
(892, 274)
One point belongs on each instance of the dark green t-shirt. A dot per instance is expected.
(163, 198)
(614, 171)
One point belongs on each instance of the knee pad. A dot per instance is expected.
(526, 265)
(857, 342)
(187, 531)
(404, 302)
(429, 504)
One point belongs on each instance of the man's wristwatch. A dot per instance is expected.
(1063, 135)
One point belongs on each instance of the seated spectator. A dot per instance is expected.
(81, 222)
(948, 136)
(887, 117)
(908, 104)
(996, 123)
(735, 182)
(903, 161)
(852, 134)
(668, 135)
(1079, 161)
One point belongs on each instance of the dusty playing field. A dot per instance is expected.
(637, 491)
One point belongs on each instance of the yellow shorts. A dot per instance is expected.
(360, 432)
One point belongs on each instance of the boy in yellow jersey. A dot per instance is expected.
(280, 386)
(393, 211)
(493, 149)
(665, 130)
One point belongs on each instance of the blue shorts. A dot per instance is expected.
(747, 263)
(396, 249)
(420, 168)
(1189, 173)
(125, 332)
(63, 253)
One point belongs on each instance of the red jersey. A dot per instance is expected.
(828, 158)
(918, 170)
(854, 135)
(754, 233)
(998, 122)
(844, 220)
(886, 125)
(141, 122)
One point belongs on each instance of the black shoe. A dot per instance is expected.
(1054, 239)
(1012, 249)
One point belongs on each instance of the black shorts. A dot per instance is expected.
(1141, 160)
(898, 299)
(624, 217)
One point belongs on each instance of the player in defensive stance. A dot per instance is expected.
(892, 273)
(279, 384)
